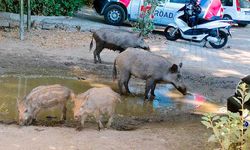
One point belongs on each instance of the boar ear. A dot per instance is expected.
(174, 68)
(180, 65)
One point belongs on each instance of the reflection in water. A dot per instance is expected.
(13, 87)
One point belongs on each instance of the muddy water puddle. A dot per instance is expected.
(166, 100)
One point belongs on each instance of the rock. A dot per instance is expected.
(4, 23)
(69, 63)
(61, 26)
(14, 24)
(71, 29)
(36, 24)
(48, 26)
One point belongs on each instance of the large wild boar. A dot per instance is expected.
(96, 102)
(115, 39)
(43, 97)
(147, 66)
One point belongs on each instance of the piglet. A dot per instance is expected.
(96, 102)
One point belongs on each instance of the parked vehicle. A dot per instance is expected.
(117, 11)
(237, 10)
(188, 26)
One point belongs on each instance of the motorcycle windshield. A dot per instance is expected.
(211, 9)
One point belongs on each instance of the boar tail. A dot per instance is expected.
(91, 44)
(114, 71)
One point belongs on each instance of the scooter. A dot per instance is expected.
(215, 32)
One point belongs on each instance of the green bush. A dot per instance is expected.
(44, 7)
(228, 130)
(3, 109)
(145, 23)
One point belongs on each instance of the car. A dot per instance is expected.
(238, 11)
(115, 12)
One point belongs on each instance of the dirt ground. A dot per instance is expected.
(212, 73)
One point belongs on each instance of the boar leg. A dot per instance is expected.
(149, 85)
(125, 77)
(111, 112)
(98, 50)
(95, 60)
(120, 86)
(98, 56)
(153, 89)
(109, 121)
(83, 118)
(126, 84)
(64, 112)
(98, 120)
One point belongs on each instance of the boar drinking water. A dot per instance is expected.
(43, 97)
(115, 39)
(96, 102)
(147, 66)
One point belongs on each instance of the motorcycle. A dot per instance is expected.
(189, 27)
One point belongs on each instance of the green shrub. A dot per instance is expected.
(228, 130)
(44, 7)
(145, 23)
(3, 109)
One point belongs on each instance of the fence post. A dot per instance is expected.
(28, 16)
(21, 23)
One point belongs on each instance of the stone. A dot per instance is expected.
(4, 23)
(48, 26)
(14, 24)
(71, 29)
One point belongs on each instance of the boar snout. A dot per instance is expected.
(77, 117)
(147, 48)
(182, 89)
(25, 122)
(21, 122)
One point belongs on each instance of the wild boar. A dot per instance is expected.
(96, 102)
(43, 97)
(115, 39)
(147, 66)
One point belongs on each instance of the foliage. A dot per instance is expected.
(145, 23)
(44, 7)
(229, 130)
(3, 109)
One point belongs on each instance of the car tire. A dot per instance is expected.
(114, 15)
(242, 25)
(227, 17)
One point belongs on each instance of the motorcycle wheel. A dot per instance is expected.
(223, 38)
(168, 32)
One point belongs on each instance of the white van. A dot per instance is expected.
(115, 12)
(237, 10)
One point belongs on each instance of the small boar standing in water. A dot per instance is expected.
(43, 97)
(116, 40)
(147, 66)
(96, 102)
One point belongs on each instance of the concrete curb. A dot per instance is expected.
(72, 24)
